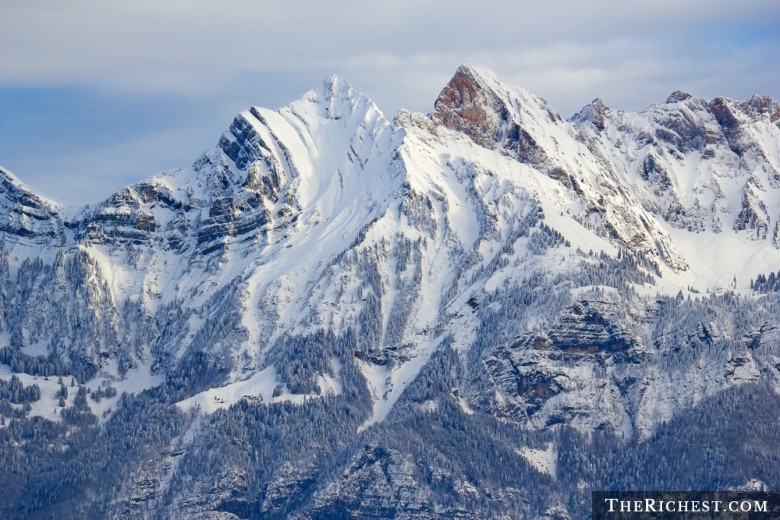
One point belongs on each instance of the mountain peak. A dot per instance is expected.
(469, 83)
(493, 114)
(335, 86)
(481, 74)
(11, 185)
(594, 113)
(678, 96)
(338, 99)
(468, 105)
(760, 105)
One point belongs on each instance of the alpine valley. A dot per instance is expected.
(484, 312)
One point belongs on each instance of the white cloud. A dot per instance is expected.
(201, 46)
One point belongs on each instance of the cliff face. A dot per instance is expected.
(25, 216)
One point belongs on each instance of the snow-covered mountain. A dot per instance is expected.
(490, 262)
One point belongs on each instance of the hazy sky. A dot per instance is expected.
(95, 95)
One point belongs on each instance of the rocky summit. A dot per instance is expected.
(483, 312)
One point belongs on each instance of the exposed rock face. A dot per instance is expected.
(678, 96)
(466, 107)
(25, 216)
(475, 104)
(586, 327)
(393, 491)
(596, 113)
(753, 215)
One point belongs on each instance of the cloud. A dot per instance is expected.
(198, 45)
(222, 56)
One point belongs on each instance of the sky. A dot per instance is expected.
(96, 95)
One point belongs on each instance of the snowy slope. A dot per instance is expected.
(707, 170)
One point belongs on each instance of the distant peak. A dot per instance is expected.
(594, 113)
(761, 105)
(478, 73)
(678, 96)
(334, 78)
(729, 112)
(335, 87)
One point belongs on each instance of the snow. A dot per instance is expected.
(464, 405)
(39, 348)
(429, 406)
(577, 292)
(59, 207)
(335, 193)
(331, 384)
(135, 381)
(387, 385)
(545, 461)
(113, 272)
(716, 259)
(258, 388)
(379, 384)
(47, 406)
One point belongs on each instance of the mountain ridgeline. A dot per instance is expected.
(486, 311)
